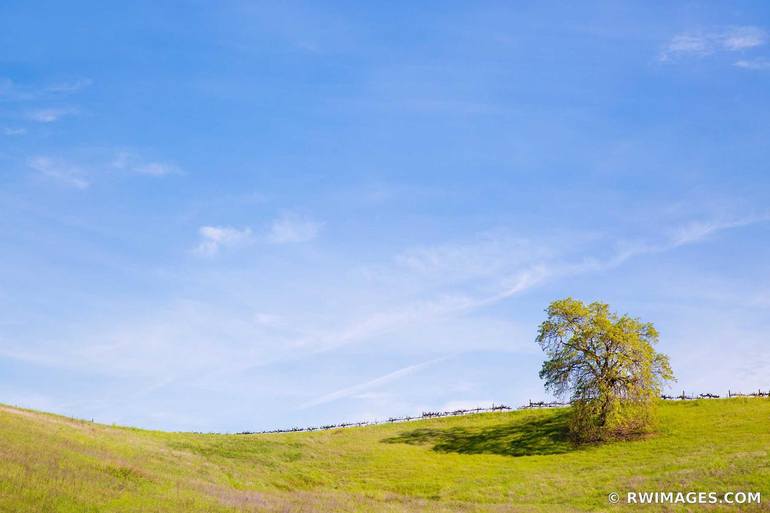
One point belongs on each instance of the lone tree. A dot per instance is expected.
(607, 365)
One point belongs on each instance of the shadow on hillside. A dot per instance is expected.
(532, 435)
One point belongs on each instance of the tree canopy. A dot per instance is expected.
(605, 363)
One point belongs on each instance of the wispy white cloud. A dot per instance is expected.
(132, 162)
(50, 115)
(291, 227)
(14, 92)
(753, 64)
(697, 231)
(214, 238)
(12, 131)
(84, 169)
(362, 387)
(415, 309)
(692, 232)
(60, 171)
(687, 44)
(156, 169)
(700, 44)
(503, 283)
(68, 86)
(489, 254)
(740, 38)
(288, 228)
(294, 332)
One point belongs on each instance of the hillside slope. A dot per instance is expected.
(498, 462)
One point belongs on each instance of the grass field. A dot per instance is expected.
(497, 462)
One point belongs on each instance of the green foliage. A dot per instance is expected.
(518, 461)
(606, 364)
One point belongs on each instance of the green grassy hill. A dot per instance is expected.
(497, 462)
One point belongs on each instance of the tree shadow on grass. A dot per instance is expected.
(539, 434)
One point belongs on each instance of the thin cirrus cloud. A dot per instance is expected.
(701, 44)
(14, 92)
(50, 115)
(286, 229)
(215, 238)
(222, 339)
(697, 231)
(435, 305)
(14, 131)
(82, 172)
(68, 87)
(133, 163)
(502, 284)
(60, 171)
(156, 169)
(373, 383)
(753, 64)
(291, 227)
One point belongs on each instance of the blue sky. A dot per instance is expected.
(241, 215)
